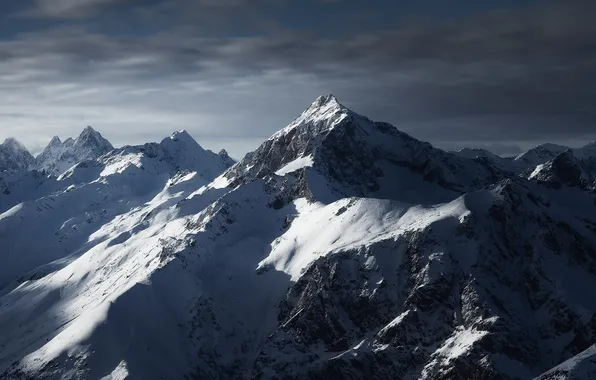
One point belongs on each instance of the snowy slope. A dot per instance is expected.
(19, 186)
(579, 367)
(91, 193)
(340, 248)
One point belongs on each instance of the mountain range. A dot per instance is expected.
(341, 248)
(58, 156)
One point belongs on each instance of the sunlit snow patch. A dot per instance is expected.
(120, 373)
(299, 163)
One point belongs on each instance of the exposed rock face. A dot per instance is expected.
(480, 300)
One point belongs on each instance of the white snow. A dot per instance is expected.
(299, 163)
(119, 373)
(11, 212)
(580, 367)
(537, 170)
(319, 229)
(325, 109)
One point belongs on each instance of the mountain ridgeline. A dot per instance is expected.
(341, 248)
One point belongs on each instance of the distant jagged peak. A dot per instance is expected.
(14, 156)
(58, 156)
(88, 130)
(587, 151)
(182, 135)
(552, 147)
(14, 144)
(541, 154)
(55, 141)
(90, 136)
(225, 156)
(547, 148)
(591, 145)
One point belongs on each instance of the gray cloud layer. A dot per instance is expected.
(65, 8)
(504, 79)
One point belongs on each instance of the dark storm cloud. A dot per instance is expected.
(521, 74)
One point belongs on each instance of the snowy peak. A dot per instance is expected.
(93, 140)
(541, 154)
(360, 157)
(59, 156)
(588, 151)
(182, 135)
(225, 157)
(181, 140)
(325, 104)
(184, 152)
(325, 107)
(224, 153)
(54, 142)
(89, 130)
(322, 115)
(175, 155)
(300, 139)
(14, 145)
(564, 169)
(14, 156)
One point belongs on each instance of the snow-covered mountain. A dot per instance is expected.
(580, 367)
(84, 196)
(359, 157)
(59, 156)
(340, 248)
(541, 154)
(14, 156)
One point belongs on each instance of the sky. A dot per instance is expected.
(503, 75)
